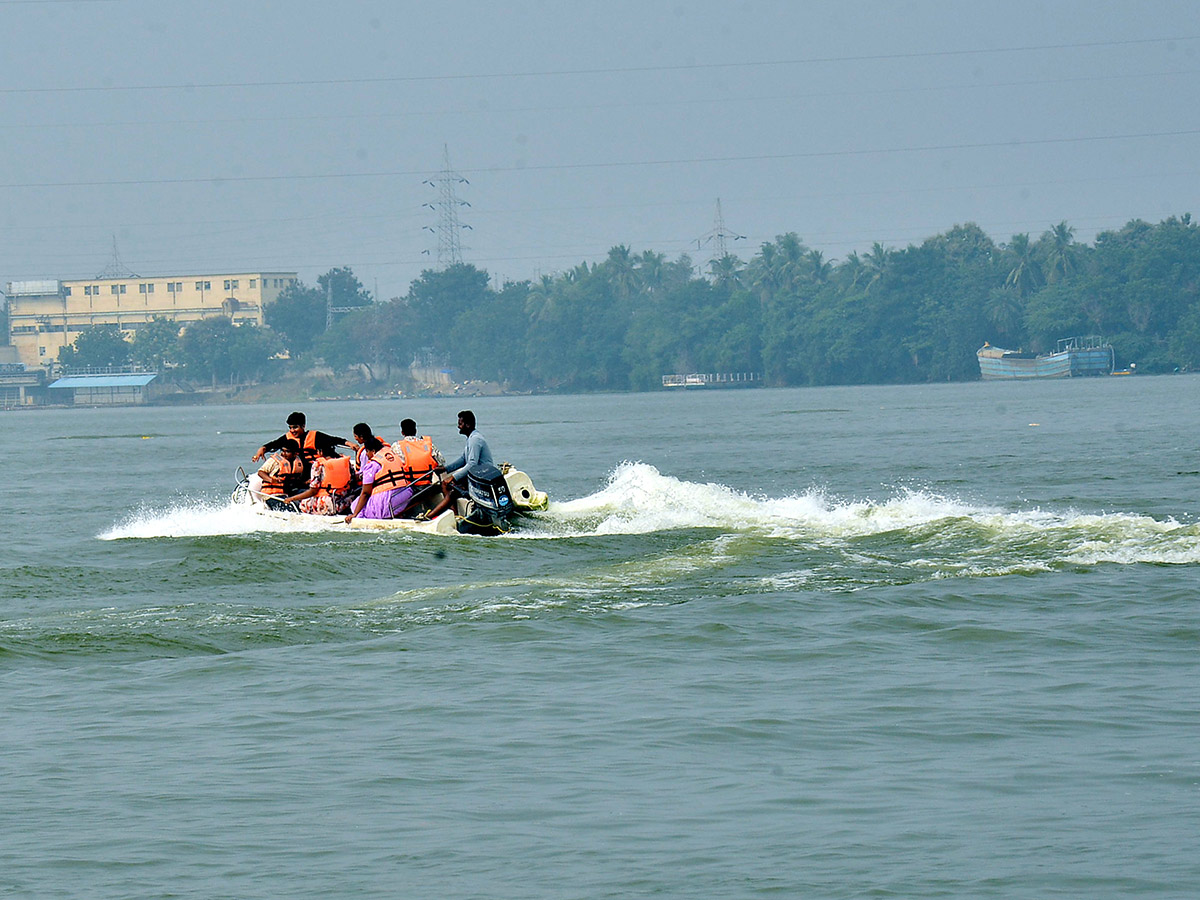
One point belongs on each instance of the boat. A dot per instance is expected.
(497, 499)
(1073, 358)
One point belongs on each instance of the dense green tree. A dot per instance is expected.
(155, 344)
(101, 346)
(299, 316)
(216, 349)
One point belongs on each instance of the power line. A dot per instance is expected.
(562, 167)
(543, 73)
(577, 107)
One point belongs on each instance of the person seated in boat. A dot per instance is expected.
(419, 454)
(281, 475)
(310, 441)
(454, 474)
(331, 487)
(385, 488)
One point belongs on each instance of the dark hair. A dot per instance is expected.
(363, 431)
(296, 418)
(468, 417)
(292, 445)
(408, 428)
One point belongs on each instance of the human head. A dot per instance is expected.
(290, 448)
(365, 436)
(466, 421)
(408, 428)
(296, 418)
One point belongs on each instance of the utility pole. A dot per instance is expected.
(448, 228)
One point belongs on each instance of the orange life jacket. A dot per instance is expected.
(417, 458)
(290, 472)
(335, 474)
(308, 448)
(391, 474)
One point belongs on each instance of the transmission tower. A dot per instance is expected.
(448, 229)
(116, 268)
(717, 237)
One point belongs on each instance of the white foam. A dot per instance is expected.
(203, 518)
(638, 499)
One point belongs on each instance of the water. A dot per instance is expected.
(930, 641)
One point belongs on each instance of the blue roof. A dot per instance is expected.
(103, 381)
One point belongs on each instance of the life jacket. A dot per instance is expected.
(308, 448)
(416, 454)
(292, 474)
(335, 474)
(391, 474)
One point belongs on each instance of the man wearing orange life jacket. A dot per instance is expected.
(419, 455)
(330, 489)
(280, 475)
(311, 442)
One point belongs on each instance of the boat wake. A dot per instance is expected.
(638, 499)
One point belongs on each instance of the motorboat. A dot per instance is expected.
(496, 499)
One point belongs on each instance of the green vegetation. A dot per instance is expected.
(888, 316)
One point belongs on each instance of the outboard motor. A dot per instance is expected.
(491, 506)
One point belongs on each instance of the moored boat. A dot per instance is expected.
(1073, 358)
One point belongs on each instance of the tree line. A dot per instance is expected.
(915, 314)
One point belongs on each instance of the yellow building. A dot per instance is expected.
(45, 316)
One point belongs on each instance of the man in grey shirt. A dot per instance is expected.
(454, 474)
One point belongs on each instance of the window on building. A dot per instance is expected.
(66, 291)
(228, 285)
(141, 288)
(118, 288)
(41, 351)
(253, 283)
(87, 290)
(150, 289)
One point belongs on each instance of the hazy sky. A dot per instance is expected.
(220, 136)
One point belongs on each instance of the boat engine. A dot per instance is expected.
(490, 509)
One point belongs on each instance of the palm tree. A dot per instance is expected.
(650, 269)
(1024, 277)
(619, 266)
(1061, 260)
(853, 269)
(726, 271)
(878, 261)
(1005, 311)
(818, 269)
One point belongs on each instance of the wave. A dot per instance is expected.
(638, 499)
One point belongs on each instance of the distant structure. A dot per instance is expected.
(45, 316)
(116, 268)
(718, 236)
(448, 228)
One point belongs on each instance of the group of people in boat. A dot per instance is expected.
(408, 478)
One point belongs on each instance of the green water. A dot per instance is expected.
(926, 641)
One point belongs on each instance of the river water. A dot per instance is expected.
(921, 641)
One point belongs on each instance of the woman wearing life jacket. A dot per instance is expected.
(281, 475)
(330, 489)
(385, 487)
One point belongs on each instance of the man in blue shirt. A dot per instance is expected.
(454, 474)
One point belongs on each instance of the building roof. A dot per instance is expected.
(137, 379)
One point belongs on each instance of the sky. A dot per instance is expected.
(206, 136)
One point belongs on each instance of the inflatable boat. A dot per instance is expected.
(496, 499)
